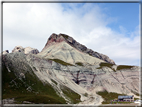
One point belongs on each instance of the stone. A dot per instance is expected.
(5, 52)
(18, 49)
(29, 50)
(26, 50)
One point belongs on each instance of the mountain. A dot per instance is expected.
(56, 39)
(64, 72)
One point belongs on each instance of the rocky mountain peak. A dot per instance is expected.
(54, 39)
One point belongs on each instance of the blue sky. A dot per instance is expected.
(123, 14)
(127, 15)
(108, 28)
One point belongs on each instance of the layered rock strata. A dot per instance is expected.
(54, 38)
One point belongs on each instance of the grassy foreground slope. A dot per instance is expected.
(30, 88)
(109, 96)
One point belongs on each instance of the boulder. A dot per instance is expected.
(18, 49)
(5, 52)
(29, 50)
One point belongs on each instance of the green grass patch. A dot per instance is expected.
(108, 96)
(38, 99)
(120, 67)
(135, 93)
(61, 62)
(79, 63)
(74, 97)
(106, 64)
(136, 98)
(103, 64)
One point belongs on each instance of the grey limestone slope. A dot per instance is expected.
(67, 53)
(94, 74)
(54, 38)
(18, 66)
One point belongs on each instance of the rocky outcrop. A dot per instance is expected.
(27, 50)
(18, 49)
(54, 38)
(5, 52)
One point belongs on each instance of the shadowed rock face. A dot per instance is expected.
(54, 38)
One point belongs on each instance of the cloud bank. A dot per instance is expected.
(31, 24)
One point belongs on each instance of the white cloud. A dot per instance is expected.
(28, 24)
(119, 47)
